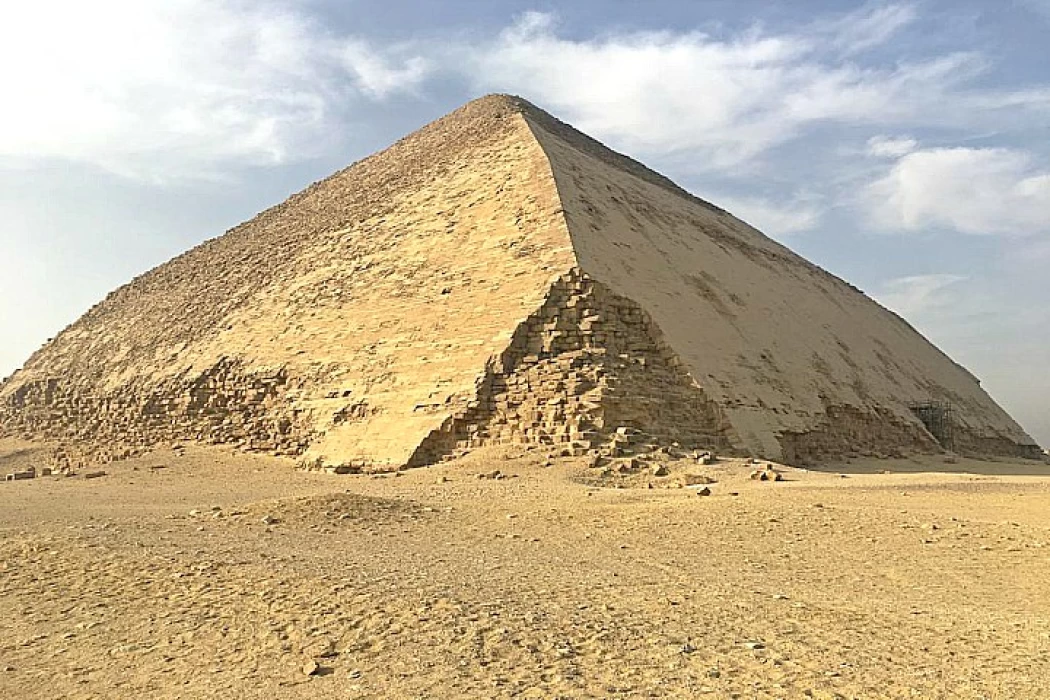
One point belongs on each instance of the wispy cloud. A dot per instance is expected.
(919, 294)
(890, 147)
(727, 101)
(215, 85)
(970, 190)
(157, 89)
(378, 74)
(868, 26)
(776, 219)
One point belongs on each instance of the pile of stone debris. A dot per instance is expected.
(32, 473)
(29, 473)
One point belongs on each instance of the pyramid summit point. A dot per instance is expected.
(497, 277)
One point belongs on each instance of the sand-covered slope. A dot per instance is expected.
(802, 362)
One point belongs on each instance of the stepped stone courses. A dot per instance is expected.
(496, 277)
(587, 362)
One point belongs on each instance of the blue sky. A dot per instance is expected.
(904, 146)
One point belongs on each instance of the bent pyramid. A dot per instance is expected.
(496, 277)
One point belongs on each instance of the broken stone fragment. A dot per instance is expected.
(766, 474)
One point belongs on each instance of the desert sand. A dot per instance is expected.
(205, 573)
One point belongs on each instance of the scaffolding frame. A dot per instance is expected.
(937, 417)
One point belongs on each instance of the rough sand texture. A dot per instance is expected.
(438, 584)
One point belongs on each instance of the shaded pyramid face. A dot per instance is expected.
(497, 277)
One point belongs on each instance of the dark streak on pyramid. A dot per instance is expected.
(496, 277)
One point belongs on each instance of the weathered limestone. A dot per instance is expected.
(496, 277)
(585, 364)
(804, 366)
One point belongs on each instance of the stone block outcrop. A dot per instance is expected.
(496, 277)
(587, 363)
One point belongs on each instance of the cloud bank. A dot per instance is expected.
(970, 190)
(181, 88)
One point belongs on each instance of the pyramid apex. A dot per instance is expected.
(500, 103)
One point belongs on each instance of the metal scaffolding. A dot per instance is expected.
(937, 417)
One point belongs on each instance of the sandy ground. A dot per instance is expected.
(162, 580)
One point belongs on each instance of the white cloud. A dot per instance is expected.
(890, 147)
(919, 294)
(377, 75)
(869, 26)
(157, 89)
(160, 88)
(971, 190)
(773, 219)
(730, 100)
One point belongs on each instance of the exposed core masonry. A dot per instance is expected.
(495, 278)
